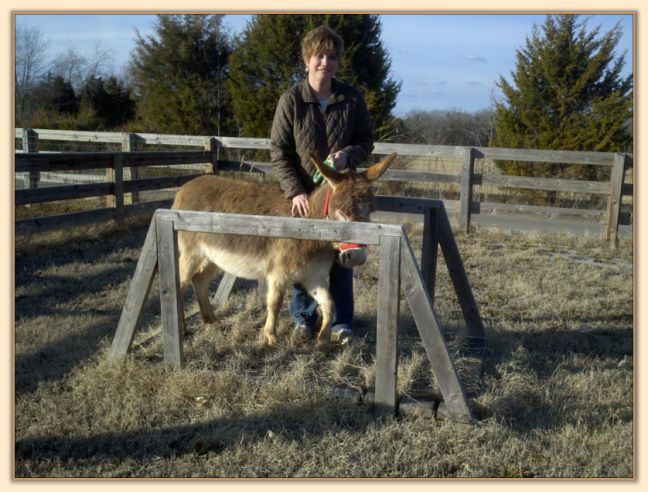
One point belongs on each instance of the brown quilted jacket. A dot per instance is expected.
(300, 125)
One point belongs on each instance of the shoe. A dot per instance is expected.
(302, 332)
(341, 335)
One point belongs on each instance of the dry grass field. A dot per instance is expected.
(555, 398)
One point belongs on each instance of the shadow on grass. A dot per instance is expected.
(527, 407)
(53, 361)
(57, 359)
(548, 348)
(87, 249)
(287, 422)
(56, 290)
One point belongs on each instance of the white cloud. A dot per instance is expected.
(476, 58)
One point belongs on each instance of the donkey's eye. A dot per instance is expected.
(362, 209)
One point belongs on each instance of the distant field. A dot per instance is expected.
(555, 398)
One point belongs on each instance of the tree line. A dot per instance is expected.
(191, 76)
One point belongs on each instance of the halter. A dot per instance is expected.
(325, 215)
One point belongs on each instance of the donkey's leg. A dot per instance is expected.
(200, 282)
(274, 298)
(187, 263)
(319, 290)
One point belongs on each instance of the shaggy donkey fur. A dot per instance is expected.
(277, 262)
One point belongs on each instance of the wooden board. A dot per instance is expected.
(528, 155)
(402, 204)
(77, 161)
(66, 192)
(432, 336)
(135, 159)
(430, 249)
(170, 301)
(138, 292)
(149, 184)
(459, 278)
(387, 324)
(614, 201)
(288, 227)
(466, 188)
(224, 288)
(42, 224)
(551, 184)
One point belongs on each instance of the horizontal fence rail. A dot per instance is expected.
(123, 186)
(417, 150)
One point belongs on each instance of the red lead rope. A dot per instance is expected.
(327, 199)
(325, 213)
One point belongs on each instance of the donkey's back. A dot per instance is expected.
(211, 193)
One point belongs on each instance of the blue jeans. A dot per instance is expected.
(303, 307)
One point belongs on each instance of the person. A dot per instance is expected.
(329, 117)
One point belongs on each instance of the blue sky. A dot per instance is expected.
(443, 61)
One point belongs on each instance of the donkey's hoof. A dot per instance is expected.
(270, 340)
(209, 317)
(323, 343)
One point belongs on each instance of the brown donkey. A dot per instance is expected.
(277, 262)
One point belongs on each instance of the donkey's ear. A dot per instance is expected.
(331, 175)
(377, 170)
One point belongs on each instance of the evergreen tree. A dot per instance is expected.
(567, 93)
(119, 106)
(55, 94)
(110, 101)
(267, 60)
(178, 76)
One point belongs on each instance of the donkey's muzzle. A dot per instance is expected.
(351, 254)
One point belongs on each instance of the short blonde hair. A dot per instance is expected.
(319, 40)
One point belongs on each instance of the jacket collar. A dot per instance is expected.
(308, 95)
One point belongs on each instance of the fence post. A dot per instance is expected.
(211, 146)
(171, 309)
(387, 321)
(465, 192)
(430, 249)
(116, 176)
(129, 173)
(614, 200)
(29, 145)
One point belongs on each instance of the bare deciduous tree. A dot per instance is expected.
(31, 53)
(100, 62)
(76, 68)
(449, 127)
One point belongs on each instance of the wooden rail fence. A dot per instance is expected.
(123, 184)
(397, 269)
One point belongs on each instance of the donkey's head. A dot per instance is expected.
(351, 198)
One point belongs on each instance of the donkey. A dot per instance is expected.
(277, 262)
